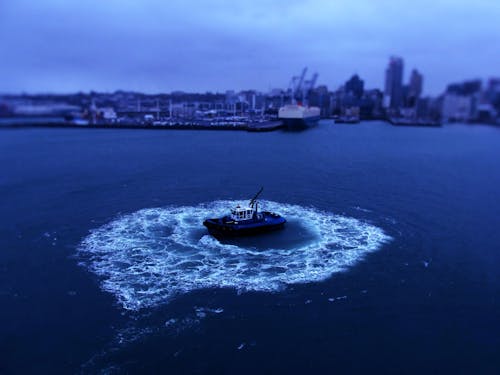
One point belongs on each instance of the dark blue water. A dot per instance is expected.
(424, 301)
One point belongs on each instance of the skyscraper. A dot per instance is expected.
(416, 83)
(414, 88)
(394, 83)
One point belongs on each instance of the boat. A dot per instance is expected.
(402, 121)
(347, 120)
(350, 115)
(297, 116)
(244, 221)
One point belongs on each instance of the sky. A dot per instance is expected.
(155, 46)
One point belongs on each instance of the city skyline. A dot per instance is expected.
(215, 46)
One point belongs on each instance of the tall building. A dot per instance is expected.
(355, 87)
(394, 83)
(415, 87)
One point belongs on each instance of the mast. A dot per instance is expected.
(253, 201)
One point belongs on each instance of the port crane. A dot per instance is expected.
(299, 86)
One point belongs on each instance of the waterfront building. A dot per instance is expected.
(253, 99)
(43, 109)
(321, 98)
(493, 93)
(355, 86)
(372, 104)
(486, 113)
(393, 93)
(414, 88)
(457, 108)
(461, 100)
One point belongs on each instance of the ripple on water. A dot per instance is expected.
(147, 257)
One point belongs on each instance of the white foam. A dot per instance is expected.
(148, 257)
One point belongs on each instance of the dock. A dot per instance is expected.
(262, 126)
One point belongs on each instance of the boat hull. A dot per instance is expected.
(221, 228)
(300, 123)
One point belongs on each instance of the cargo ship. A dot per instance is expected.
(296, 116)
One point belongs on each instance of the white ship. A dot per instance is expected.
(296, 116)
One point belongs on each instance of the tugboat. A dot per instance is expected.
(244, 221)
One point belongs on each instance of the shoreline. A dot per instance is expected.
(266, 126)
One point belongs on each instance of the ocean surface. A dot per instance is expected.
(389, 262)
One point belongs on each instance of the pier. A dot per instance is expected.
(262, 126)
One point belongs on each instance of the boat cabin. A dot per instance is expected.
(242, 213)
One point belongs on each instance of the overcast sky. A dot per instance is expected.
(215, 45)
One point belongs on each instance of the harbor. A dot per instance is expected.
(250, 126)
(302, 103)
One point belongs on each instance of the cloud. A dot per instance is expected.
(155, 45)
